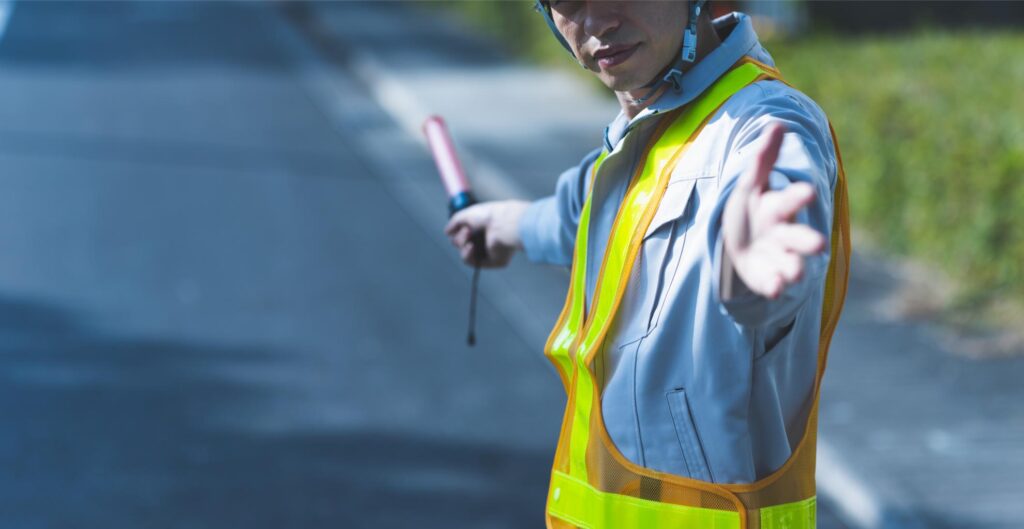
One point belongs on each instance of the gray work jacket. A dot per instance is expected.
(692, 385)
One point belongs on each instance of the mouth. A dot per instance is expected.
(611, 56)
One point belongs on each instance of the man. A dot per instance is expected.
(709, 244)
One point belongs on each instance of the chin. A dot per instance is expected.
(621, 83)
(624, 79)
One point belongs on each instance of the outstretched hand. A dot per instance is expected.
(763, 244)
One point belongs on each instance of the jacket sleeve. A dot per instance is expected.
(548, 226)
(807, 155)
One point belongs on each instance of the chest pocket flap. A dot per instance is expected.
(674, 202)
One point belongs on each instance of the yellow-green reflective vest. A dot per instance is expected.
(592, 485)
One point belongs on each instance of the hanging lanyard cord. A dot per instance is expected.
(471, 335)
(479, 254)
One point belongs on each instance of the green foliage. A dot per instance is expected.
(931, 126)
(933, 140)
(517, 25)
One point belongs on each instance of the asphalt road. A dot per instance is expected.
(218, 309)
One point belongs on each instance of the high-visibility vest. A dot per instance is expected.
(593, 485)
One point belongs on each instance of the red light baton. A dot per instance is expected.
(453, 176)
(460, 196)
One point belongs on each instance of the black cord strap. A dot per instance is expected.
(471, 336)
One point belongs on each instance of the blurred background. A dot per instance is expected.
(226, 300)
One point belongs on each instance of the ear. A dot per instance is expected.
(544, 8)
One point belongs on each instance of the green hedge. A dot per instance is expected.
(932, 130)
(513, 22)
(931, 126)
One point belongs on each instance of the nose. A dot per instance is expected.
(602, 17)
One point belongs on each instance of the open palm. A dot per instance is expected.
(763, 243)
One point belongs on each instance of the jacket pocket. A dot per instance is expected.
(659, 259)
(775, 341)
(689, 440)
(673, 204)
(663, 246)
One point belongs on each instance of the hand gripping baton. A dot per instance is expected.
(460, 196)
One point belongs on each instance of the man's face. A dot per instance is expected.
(625, 42)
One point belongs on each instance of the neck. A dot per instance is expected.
(707, 40)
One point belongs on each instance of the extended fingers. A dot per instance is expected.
(759, 273)
(772, 273)
(796, 238)
(767, 269)
(767, 156)
(781, 270)
(789, 266)
(788, 201)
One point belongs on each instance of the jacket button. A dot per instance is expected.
(557, 494)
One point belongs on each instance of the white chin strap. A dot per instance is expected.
(688, 54)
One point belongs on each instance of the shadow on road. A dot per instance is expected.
(106, 431)
(219, 35)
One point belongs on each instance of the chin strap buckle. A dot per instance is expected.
(674, 76)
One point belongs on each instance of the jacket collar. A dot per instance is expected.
(740, 40)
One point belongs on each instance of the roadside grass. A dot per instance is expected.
(932, 130)
(931, 125)
(515, 23)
